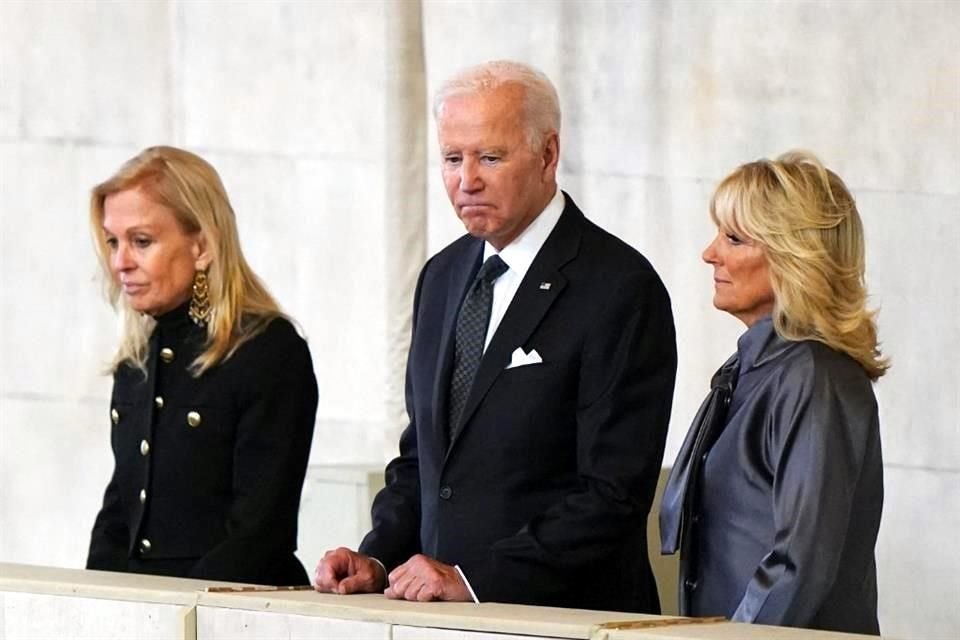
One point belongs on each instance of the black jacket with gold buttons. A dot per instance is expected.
(209, 470)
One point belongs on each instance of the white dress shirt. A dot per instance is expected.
(519, 255)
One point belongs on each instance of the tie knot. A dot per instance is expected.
(491, 269)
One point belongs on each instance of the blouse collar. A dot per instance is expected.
(759, 344)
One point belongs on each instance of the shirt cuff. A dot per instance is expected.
(466, 582)
(386, 576)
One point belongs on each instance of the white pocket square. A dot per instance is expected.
(521, 359)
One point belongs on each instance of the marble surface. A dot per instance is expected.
(29, 590)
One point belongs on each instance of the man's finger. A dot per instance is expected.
(397, 574)
(325, 578)
(426, 593)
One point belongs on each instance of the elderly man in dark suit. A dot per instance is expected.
(539, 383)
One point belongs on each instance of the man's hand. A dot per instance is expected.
(424, 579)
(345, 571)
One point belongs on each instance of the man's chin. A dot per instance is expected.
(476, 228)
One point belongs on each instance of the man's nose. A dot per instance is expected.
(470, 176)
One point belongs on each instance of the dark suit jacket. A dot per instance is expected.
(220, 496)
(543, 496)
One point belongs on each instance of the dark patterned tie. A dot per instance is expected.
(471, 333)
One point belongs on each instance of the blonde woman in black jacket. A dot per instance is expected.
(214, 395)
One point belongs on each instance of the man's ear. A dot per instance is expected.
(550, 154)
(201, 252)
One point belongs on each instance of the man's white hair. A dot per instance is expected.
(541, 112)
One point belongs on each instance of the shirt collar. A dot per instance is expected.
(520, 253)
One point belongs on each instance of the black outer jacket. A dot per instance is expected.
(218, 500)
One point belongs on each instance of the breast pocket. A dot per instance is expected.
(537, 401)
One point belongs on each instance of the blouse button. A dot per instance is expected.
(143, 496)
(145, 546)
(144, 447)
(158, 402)
(193, 419)
(114, 416)
(166, 354)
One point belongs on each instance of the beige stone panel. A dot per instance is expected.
(912, 242)
(694, 89)
(88, 71)
(488, 617)
(11, 61)
(30, 616)
(401, 632)
(461, 34)
(55, 461)
(918, 560)
(58, 332)
(335, 508)
(216, 623)
(338, 441)
(284, 77)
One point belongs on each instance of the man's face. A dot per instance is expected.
(497, 184)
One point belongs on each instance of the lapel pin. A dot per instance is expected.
(545, 286)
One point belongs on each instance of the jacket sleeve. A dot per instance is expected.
(624, 397)
(277, 401)
(818, 435)
(395, 534)
(110, 538)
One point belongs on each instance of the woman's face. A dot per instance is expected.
(741, 277)
(152, 258)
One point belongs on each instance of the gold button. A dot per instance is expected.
(144, 447)
(193, 419)
(114, 416)
(158, 401)
(145, 545)
(143, 496)
(166, 354)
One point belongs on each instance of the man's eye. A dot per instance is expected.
(451, 159)
(490, 159)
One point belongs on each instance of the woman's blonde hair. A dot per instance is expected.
(191, 188)
(806, 221)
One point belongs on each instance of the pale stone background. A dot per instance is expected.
(315, 113)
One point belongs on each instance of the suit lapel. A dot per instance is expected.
(528, 307)
(461, 275)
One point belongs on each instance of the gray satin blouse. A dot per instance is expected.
(788, 498)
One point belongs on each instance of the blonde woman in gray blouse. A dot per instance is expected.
(775, 499)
